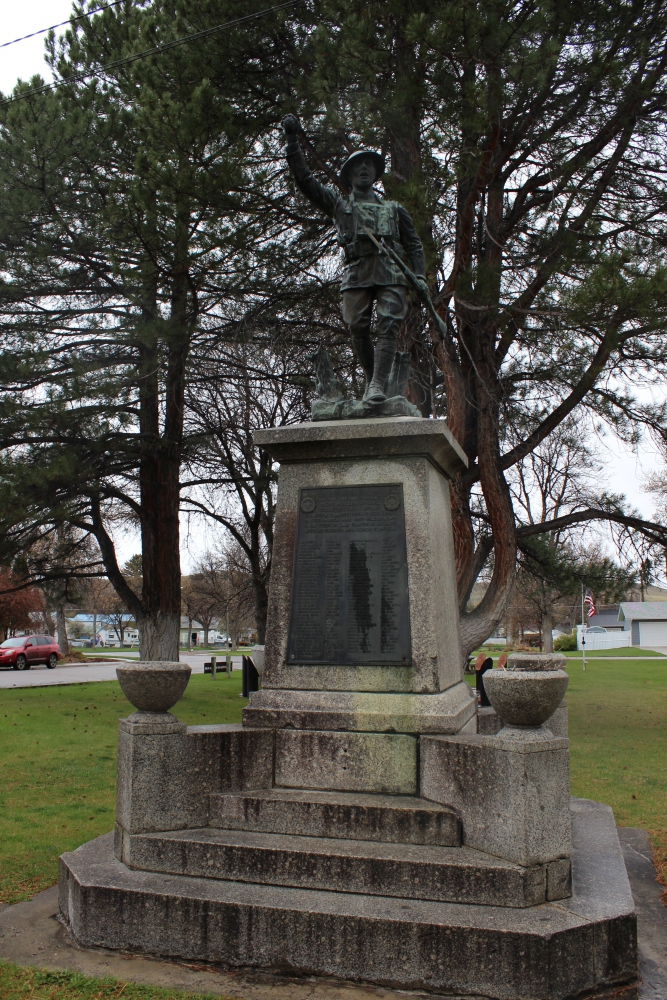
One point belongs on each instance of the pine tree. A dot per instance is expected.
(129, 237)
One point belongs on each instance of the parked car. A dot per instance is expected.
(22, 651)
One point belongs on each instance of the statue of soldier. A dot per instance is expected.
(369, 276)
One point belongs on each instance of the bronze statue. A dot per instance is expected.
(365, 225)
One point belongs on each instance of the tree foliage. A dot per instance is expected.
(130, 233)
(19, 605)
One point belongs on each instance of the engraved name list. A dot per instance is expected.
(350, 587)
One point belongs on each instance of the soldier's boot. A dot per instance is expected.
(363, 348)
(385, 351)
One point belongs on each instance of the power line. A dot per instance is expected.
(61, 24)
(155, 50)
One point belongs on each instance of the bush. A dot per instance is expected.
(566, 643)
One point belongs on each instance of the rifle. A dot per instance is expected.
(419, 287)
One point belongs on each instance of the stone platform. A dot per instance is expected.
(548, 952)
(389, 819)
(441, 874)
(358, 824)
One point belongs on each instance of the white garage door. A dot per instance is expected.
(653, 633)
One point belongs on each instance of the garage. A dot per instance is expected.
(653, 633)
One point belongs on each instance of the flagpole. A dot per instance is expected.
(583, 630)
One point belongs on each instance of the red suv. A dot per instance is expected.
(21, 652)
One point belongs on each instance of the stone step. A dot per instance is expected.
(394, 819)
(410, 871)
(579, 946)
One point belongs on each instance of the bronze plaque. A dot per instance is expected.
(350, 584)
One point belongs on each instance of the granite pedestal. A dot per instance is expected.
(417, 687)
(357, 824)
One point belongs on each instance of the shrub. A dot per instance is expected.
(566, 643)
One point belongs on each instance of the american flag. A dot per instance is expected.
(588, 599)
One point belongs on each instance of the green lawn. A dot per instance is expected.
(57, 758)
(618, 742)
(58, 766)
(35, 984)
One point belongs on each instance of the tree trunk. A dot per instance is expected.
(62, 630)
(160, 459)
(205, 636)
(159, 635)
(477, 625)
(49, 622)
(512, 631)
(547, 637)
(161, 592)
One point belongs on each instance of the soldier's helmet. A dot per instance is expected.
(361, 154)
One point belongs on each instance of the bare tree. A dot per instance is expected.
(557, 479)
(202, 595)
(64, 559)
(116, 615)
(232, 482)
(94, 597)
(550, 486)
(643, 553)
(222, 589)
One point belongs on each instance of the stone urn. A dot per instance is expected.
(529, 690)
(154, 686)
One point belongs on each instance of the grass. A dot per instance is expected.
(58, 766)
(18, 983)
(618, 743)
(58, 762)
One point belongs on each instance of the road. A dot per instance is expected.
(78, 673)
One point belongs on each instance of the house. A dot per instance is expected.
(196, 633)
(646, 620)
(607, 618)
(107, 636)
(604, 630)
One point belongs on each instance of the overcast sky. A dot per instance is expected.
(21, 17)
(626, 471)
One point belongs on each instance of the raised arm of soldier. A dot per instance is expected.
(325, 198)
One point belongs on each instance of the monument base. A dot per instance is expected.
(378, 712)
(546, 952)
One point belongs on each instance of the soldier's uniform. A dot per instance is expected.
(368, 275)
